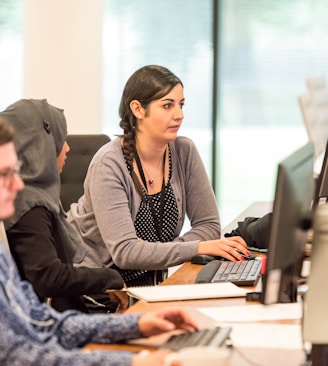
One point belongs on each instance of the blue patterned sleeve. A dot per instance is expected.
(31, 333)
(79, 329)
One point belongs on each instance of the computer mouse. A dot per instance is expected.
(247, 257)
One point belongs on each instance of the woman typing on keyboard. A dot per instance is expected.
(140, 186)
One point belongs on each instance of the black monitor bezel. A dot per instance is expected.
(280, 282)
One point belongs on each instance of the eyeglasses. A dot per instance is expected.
(9, 174)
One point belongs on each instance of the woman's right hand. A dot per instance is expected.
(229, 248)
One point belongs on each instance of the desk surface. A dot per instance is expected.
(241, 356)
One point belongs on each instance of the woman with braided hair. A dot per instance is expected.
(140, 186)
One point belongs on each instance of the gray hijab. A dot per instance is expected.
(40, 132)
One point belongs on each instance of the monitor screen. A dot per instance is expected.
(291, 208)
(321, 188)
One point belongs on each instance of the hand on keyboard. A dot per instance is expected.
(204, 258)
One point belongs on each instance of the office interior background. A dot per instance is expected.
(243, 63)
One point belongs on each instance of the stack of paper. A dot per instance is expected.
(186, 292)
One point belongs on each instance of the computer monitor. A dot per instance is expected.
(291, 208)
(321, 185)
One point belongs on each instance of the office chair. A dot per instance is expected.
(82, 150)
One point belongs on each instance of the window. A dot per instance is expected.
(267, 50)
(174, 34)
(11, 51)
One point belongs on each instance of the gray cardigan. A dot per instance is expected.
(105, 214)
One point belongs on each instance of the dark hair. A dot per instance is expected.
(148, 83)
(7, 133)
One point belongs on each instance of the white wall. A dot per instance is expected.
(63, 58)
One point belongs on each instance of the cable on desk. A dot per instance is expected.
(229, 344)
(246, 358)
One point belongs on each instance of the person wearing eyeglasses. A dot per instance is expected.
(8, 177)
(43, 244)
(33, 333)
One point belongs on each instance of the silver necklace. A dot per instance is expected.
(151, 181)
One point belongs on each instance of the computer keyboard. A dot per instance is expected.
(214, 337)
(240, 273)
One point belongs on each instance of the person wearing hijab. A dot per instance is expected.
(32, 333)
(43, 243)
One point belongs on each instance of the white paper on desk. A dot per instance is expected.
(279, 336)
(252, 313)
(186, 292)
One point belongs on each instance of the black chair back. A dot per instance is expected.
(82, 150)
